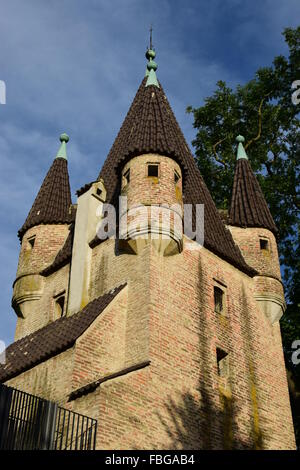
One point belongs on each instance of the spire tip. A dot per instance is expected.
(151, 46)
(152, 65)
(241, 153)
(240, 138)
(62, 151)
(64, 137)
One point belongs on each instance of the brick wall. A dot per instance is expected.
(39, 313)
(48, 241)
(51, 379)
(182, 315)
(179, 401)
(167, 315)
(33, 294)
(101, 350)
(151, 190)
(264, 261)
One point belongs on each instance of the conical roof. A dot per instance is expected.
(53, 202)
(248, 205)
(151, 127)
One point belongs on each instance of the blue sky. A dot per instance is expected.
(74, 66)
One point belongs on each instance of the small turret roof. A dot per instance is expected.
(248, 205)
(53, 201)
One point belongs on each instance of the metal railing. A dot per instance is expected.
(28, 422)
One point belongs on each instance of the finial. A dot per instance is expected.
(62, 152)
(151, 37)
(64, 137)
(241, 153)
(152, 65)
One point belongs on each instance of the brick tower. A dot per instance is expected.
(42, 236)
(254, 231)
(169, 343)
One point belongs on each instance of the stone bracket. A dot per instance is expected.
(271, 305)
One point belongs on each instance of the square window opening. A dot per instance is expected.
(153, 170)
(264, 244)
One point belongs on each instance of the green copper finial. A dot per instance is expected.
(62, 152)
(241, 153)
(64, 137)
(152, 65)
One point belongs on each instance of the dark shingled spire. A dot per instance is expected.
(248, 205)
(151, 127)
(53, 202)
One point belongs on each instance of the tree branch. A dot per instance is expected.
(269, 169)
(216, 155)
(259, 122)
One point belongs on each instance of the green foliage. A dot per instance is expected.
(263, 112)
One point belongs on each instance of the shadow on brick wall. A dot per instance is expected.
(199, 419)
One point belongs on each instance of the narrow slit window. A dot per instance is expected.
(153, 170)
(218, 299)
(60, 305)
(98, 191)
(127, 177)
(264, 244)
(223, 363)
(176, 177)
(30, 242)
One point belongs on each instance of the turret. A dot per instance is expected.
(151, 208)
(151, 168)
(254, 231)
(42, 236)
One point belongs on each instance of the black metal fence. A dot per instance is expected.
(28, 422)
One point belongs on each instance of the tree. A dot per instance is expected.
(262, 110)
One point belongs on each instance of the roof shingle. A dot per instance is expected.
(52, 205)
(248, 205)
(151, 127)
(52, 339)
